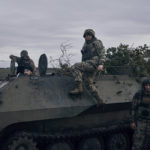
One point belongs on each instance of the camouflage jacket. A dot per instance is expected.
(140, 99)
(25, 63)
(93, 52)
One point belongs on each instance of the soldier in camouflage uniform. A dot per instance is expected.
(25, 64)
(141, 116)
(92, 60)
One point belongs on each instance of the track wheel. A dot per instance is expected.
(118, 141)
(59, 146)
(20, 142)
(92, 143)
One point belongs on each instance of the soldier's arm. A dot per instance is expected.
(83, 51)
(134, 107)
(14, 58)
(33, 67)
(100, 51)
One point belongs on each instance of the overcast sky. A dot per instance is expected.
(40, 26)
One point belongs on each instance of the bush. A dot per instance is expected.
(127, 60)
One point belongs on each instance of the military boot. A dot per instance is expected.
(99, 100)
(78, 89)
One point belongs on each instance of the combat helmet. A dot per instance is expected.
(89, 32)
(24, 53)
(145, 82)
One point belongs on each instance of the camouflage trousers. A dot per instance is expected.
(141, 134)
(85, 73)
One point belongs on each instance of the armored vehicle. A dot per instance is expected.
(37, 113)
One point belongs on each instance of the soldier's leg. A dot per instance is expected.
(147, 139)
(139, 135)
(89, 82)
(77, 70)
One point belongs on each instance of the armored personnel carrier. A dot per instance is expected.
(37, 113)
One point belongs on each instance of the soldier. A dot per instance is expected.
(141, 116)
(92, 60)
(25, 64)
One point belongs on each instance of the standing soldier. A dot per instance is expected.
(92, 60)
(141, 115)
(25, 64)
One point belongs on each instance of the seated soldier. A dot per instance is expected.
(25, 64)
(93, 53)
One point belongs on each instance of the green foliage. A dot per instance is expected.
(127, 60)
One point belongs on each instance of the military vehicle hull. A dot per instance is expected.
(38, 113)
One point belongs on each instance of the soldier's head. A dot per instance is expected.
(24, 53)
(146, 85)
(89, 34)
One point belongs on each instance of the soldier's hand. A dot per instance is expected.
(100, 68)
(133, 125)
(27, 72)
(11, 56)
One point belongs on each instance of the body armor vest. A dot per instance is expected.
(144, 108)
(89, 51)
(23, 64)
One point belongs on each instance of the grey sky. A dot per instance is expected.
(40, 26)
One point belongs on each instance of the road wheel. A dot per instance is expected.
(92, 143)
(118, 141)
(20, 142)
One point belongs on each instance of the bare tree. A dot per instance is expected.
(53, 62)
(64, 60)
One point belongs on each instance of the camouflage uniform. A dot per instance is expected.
(92, 56)
(24, 62)
(141, 116)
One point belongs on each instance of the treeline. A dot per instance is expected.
(123, 59)
(128, 60)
